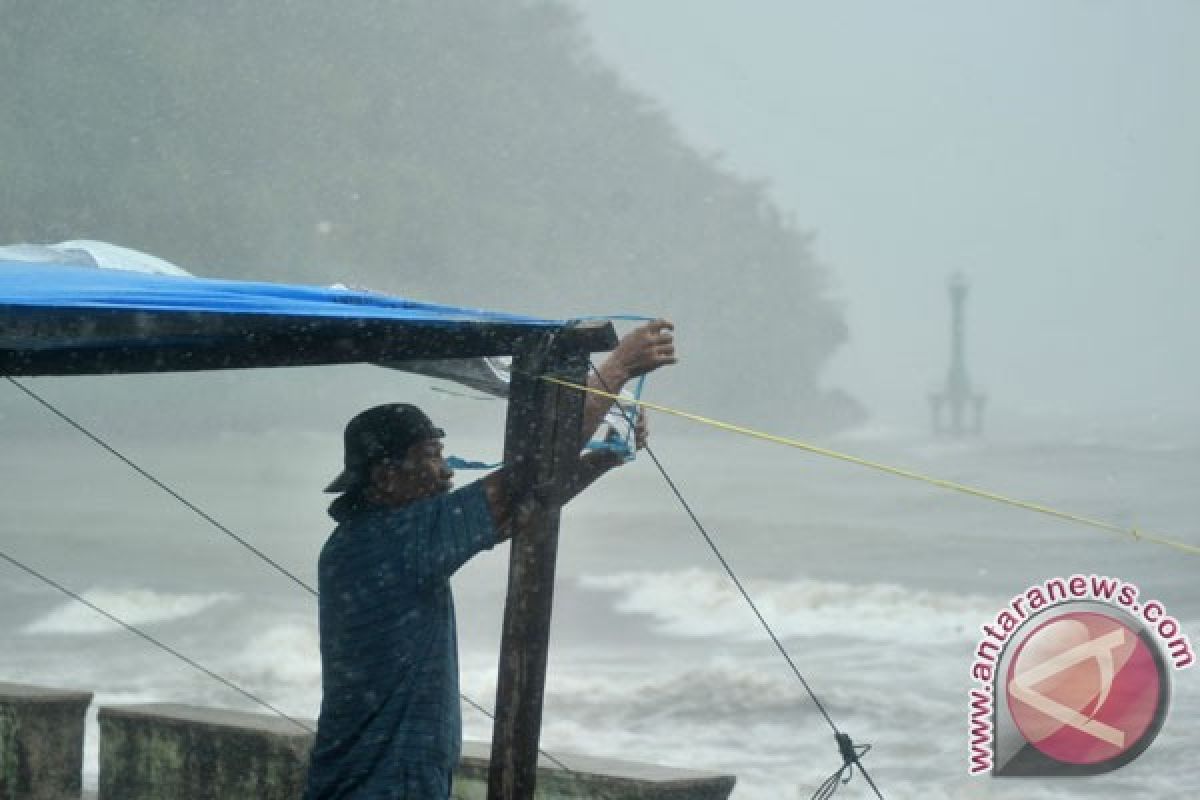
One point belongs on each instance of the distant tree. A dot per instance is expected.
(469, 151)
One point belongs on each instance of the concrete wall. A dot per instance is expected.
(159, 751)
(588, 778)
(155, 751)
(41, 742)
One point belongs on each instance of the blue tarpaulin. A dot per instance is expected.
(61, 319)
(25, 284)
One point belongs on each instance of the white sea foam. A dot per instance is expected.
(696, 602)
(284, 655)
(133, 606)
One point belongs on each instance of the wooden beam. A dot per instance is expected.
(543, 437)
(74, 342)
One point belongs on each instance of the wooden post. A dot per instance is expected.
(543, 436)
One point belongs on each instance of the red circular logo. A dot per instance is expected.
(1086, 688)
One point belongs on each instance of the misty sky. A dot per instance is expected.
(1050, 149)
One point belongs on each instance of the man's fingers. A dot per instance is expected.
(646, 348)
(662, 341)
(660, 331)
(660, 324)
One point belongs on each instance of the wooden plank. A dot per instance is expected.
(543, 437)
(71, 342)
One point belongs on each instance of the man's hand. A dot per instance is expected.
(642, 350)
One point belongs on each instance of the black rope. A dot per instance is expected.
(191, 506)
(139, 632)
(850, 753)
(212, 521)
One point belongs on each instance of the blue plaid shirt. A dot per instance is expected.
(389, 650)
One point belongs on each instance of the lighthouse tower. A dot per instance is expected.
(957, 410)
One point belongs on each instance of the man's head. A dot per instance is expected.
(394, 453)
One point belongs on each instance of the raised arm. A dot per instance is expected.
(642, 350)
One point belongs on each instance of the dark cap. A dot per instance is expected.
(378, 433)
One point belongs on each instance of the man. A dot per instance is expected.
(390, 723)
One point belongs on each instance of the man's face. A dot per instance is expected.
(424, 469)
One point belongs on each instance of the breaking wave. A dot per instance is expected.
(134, 606)
(698, 603)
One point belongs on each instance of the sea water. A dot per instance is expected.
(877, 587)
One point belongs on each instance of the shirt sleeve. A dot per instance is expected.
(443, 533)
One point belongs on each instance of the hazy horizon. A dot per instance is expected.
(1047, 151)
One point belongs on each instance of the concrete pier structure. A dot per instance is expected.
(41, 742)
(157, 751)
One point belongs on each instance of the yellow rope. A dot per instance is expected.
(1135, 533)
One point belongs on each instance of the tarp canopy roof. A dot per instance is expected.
(71, 320)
